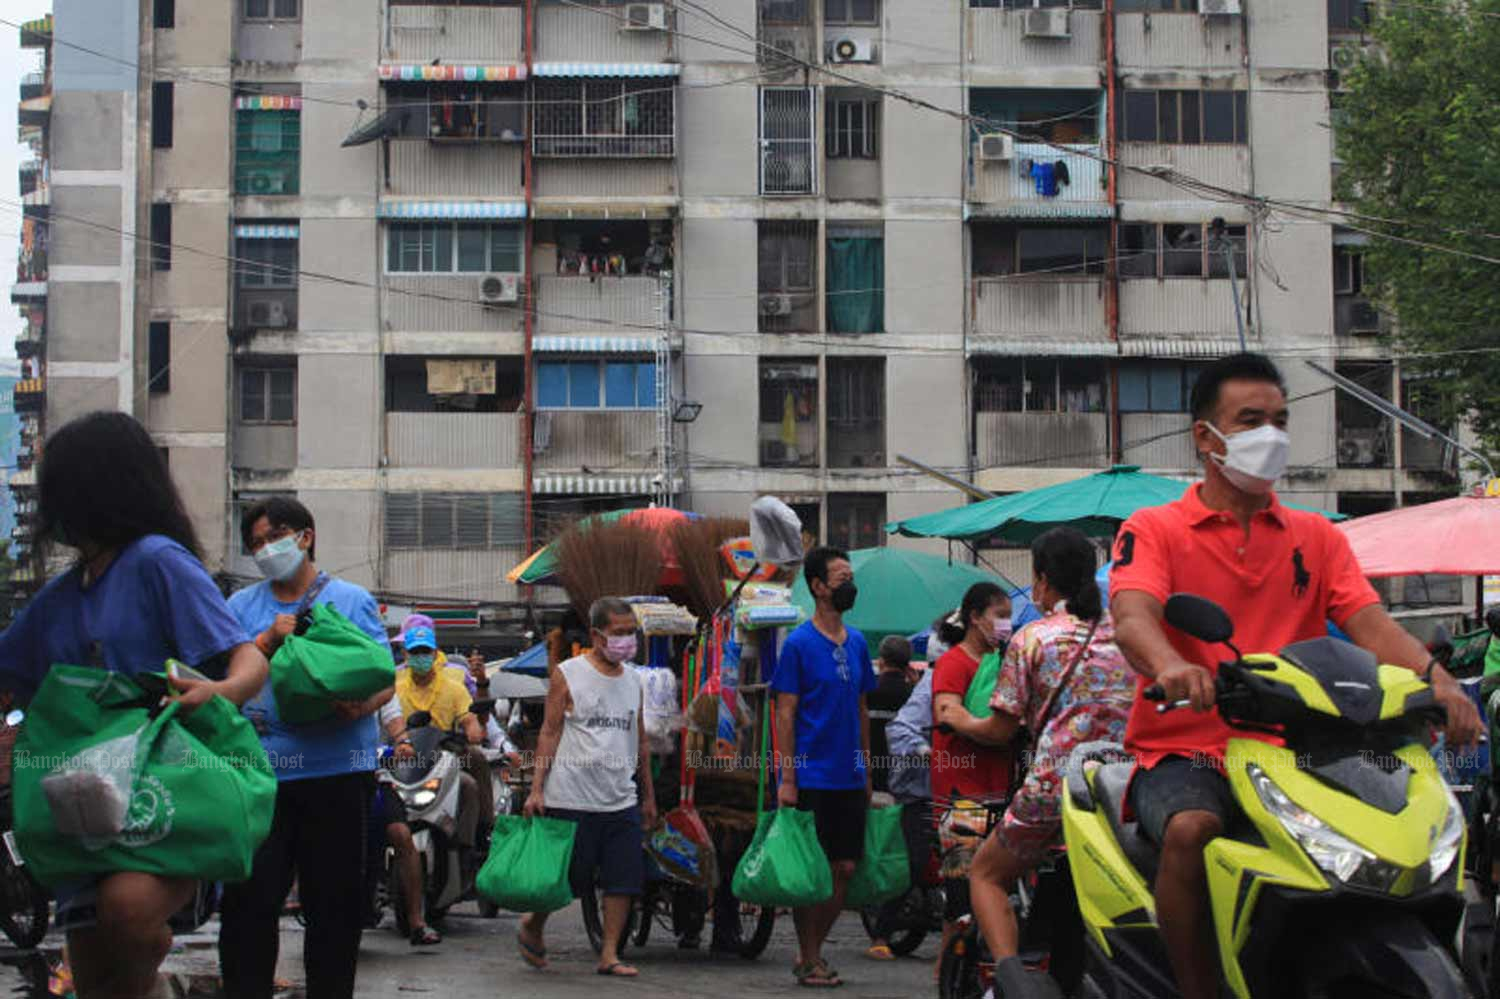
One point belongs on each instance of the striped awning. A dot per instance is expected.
(1180, 347)
(268, 102)
(36, 28)
(1039, 209)
(452, 210)
(269, 231)
(606, 69)
(457, 73)
(544, 208)
(639, 484)
(30, 386)
(1012, 347)
(593, 345)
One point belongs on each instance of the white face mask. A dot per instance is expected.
(1255, 458)
(279, 561)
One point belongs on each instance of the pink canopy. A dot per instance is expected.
(1455, 537)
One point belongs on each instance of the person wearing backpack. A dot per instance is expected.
(137, 596)
(325, 771)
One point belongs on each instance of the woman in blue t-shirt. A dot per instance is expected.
(136, 596)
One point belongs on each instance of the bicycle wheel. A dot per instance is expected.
(757, 922)
(959, 966)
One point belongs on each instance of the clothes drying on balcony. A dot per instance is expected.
(1048, 177)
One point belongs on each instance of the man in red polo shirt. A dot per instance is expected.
(1281, 574)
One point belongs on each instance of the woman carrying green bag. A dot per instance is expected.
(136, 596)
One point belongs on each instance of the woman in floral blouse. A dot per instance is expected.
(1065, 681)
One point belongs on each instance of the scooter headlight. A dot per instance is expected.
(423, 798)
(1449, 840)
(1333, 852)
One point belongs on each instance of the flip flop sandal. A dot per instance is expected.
(425, 936)
(534, 956)
(811, 976)
(880, 952)
(614, 971)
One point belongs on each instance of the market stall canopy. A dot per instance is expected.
(1095, 504)
(1455, 537)
(533, 662)
(540, 567)
(513, 685)
(902, 591)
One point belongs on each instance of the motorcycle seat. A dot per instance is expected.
(1111, 782)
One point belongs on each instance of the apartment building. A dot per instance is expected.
(455, 273)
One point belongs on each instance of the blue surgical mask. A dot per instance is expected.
(279, 560)
(421, 662)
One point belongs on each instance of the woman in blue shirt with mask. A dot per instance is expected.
(136, 596)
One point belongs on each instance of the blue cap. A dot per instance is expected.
(419, 638)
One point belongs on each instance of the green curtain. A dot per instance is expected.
(856, 285)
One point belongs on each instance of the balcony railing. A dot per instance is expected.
(595, 439)
(1019, 187)
(1072, 308)
(449, 33)
(453, 440)
(1177, 307)
(628, 305)
(452, 574)
(1043, 440)
(999, 38)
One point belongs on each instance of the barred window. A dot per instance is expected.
(605, 118)
(852, 129)
(448, 247)
(437, 521)
(266, 263)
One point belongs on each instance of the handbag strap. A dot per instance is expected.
(1065, 679)
(313, 591)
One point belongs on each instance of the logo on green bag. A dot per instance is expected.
(150, 816)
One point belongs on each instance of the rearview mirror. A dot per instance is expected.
(419, 719)
(1199, 617)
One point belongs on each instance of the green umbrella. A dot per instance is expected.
(901, 592)
(1095, 504)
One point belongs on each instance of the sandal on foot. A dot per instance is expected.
(425, 936)
(880, 952)
(534, 956)
(816, 975)
(618, 970)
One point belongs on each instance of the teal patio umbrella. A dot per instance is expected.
(1096, 505)
(901, 592)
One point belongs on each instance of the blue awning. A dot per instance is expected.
(606, 69)
(593, 345)
(283, 231)
(532, 662)
(452, 210)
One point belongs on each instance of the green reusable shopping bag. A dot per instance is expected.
(331, 661)
(102, 786)
(883, 872)
(785, 865)
(982, 687)
(527, 867)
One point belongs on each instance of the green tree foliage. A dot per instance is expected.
(1418, 131)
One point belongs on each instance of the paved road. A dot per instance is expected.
(478, 958)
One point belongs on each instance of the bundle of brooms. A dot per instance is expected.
(696, 544)
(617, 559)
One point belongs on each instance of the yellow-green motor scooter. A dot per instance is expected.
(1343, 880)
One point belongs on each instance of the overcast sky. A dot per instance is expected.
(13, 64)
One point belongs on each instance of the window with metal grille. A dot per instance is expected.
(449, 247)
(438, 521)
(267, 152)
(604, 118)
(162, 93)
(265, 263)
(159, 357)
(865, 12)
(1188, 117)
(1348, 15)
(1041, 385)
(788, 144)
(788, 425)
(161, 236)
(268, 395)
(853, 127)
(856, 412)
(785, 12)
(787, 253)
(856, 520)
(272, 10)
(457, 112)
(1169, 250)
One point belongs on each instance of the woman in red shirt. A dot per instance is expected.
(965, 774)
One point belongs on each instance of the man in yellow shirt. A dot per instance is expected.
(421, 686)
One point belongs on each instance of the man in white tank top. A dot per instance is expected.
(593, 769)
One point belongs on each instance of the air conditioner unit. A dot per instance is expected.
(1206, 7)
(997, 147)
(1046, 23)
(644, 17)
(268, 314)
(497, 288)
(776, 305)
(851, 50)
(1344, 56)
(266, 181)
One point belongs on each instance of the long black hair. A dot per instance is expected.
(976, 601)
(1069, 562)
(103, 481)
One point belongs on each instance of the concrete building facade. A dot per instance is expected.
(456, 273)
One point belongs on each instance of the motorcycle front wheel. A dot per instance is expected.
(757, 922)
(912, 922)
